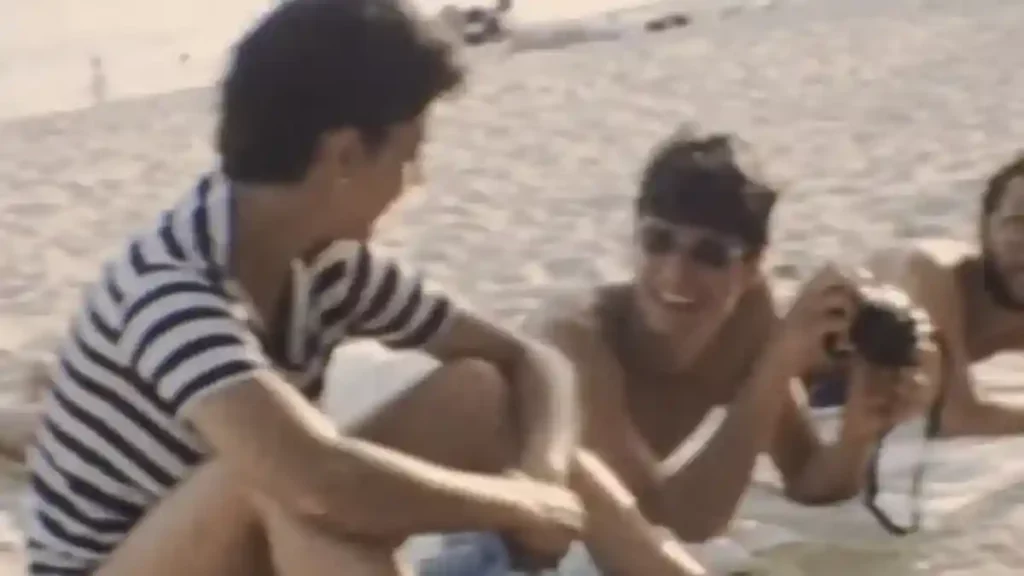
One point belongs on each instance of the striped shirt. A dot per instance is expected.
(165, 326)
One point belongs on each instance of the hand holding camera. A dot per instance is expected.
(873, 337)
(837, 315)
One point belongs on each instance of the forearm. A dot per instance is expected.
(698, 499)
(365, 489)
(548, 412)
(836, 472)
(618, 536)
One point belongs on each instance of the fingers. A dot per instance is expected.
(895, 396)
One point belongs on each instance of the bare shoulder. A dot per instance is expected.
(566, 315)
(928, 270)
(926, 258)
(573, 323)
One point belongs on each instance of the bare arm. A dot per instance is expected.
(403, 313)
(187, 343)
(544, 382)
(964, 413)
(815, 472)
(699, 498)
(617, 533)
(934, 287)
(291, 452)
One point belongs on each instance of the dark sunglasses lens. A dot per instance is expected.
(710, 252)
(657, 240)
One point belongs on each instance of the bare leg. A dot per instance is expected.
(461, 415)
(212, 526)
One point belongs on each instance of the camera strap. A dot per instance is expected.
(871, 491)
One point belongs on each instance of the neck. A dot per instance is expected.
(273, 228)
(651, 352)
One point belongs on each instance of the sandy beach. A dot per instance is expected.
(881, 116)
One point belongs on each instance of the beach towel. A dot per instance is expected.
(960, 479)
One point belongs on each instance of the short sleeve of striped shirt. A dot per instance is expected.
(184, 337)
(374, 297)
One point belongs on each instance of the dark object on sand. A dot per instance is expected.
(667, 22)
(481, 25)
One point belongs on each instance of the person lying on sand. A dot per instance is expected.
(696, 328)
(975, 297)
(179, 436)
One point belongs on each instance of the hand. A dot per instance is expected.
(821, 311)
(553, 519)
(880, 398)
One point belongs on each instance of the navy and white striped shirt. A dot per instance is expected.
(161, 329)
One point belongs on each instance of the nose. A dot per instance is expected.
(678, 274)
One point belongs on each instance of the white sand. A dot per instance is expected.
(883, 115)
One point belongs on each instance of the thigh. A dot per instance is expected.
(207, 526)
(460, 415)
(299, 549)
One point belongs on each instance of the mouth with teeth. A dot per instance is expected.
(675, 300)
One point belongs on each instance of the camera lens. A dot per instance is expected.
(885, 333)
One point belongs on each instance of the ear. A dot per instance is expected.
(760, 201)
(340, 153)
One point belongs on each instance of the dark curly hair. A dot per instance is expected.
(701, 180)
(311, 66)
(998, 183)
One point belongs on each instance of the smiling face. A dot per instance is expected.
(1004, 237)
(701, 224)
(688, 281)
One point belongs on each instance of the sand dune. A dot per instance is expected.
(882, 116)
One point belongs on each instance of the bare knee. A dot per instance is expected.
(286, 540)
(482, 400)
(473, 415)
(207, 525)
(476, 385)
(462, 415)
(298, 545)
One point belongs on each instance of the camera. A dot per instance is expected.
(886, 328)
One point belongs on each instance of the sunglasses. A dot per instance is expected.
(658, 238)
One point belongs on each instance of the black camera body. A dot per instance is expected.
(886, 328)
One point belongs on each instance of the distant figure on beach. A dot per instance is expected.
(695, 329)
(975, 297)
(180, 435)
(97, 80)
